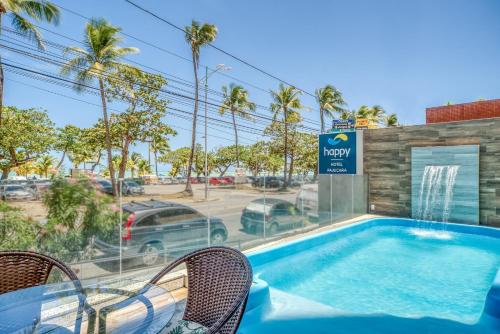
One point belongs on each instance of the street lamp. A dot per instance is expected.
(219, 67)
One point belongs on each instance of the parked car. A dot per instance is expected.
(277, 214)
(17, 192)
(153, 229)
(138, 180)
(222, 180)
(307, 200)
(268, 182)
(132, 188)
(105, 187)
(228, 179)
(165, 180)
(214, 181)
(11, 182)
(251, 179)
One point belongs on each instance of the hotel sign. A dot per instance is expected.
(337, 153)
(342, 124)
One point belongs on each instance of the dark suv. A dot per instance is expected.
(154, 229)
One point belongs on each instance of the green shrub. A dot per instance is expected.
(16, 231)
(77, 213)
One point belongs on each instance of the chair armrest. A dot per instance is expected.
(168, 269)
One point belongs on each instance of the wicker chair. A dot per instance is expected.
(23, 269)
(219, 280)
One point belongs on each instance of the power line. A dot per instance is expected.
(63, 60)
(170, 98)
(219, 49)
(95, 91)
(97, 105)
(169, 76)
(186, 59)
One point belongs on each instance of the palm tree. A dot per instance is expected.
(143, 167)
(286, 102)
(236, 101)
(25, 169)
(100, 57)
(133, 162)
(391, 120)
(374, 115)
(346, 114)
(20, 10)
(377, 115)
(363, 112)
(330, 101)
(44, 165)
(196, 36)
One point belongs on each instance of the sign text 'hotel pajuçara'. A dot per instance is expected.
(337, 153)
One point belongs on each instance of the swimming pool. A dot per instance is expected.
(378, 276)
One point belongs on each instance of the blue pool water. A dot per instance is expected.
(379, 276)
(391, 269)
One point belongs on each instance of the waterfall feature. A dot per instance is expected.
(445, 185)
(436, 193)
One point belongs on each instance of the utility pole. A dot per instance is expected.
(149, 153)
(206, 136)
(220, 67)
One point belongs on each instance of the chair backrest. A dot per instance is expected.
(219, 280)
(23, 269)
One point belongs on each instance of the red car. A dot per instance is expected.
(228, 180)
(224, 180)
(214, 181)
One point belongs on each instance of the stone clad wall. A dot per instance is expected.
(387, 162)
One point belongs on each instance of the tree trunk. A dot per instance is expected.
(96, 163)
(1, 79)
(123, 163)
(62, 160)
(189, 189)
(322, 120)
(285, 183)
(5, 172)
(108, 139)
(236, 140)
(290, 172)
(223, 171)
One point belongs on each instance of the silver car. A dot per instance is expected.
(17, 192)
(132, 188)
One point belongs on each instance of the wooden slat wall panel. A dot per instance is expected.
(387, 162)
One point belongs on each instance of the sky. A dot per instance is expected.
(403, 55)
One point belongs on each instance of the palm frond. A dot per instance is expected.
(40, 10)
(27, 28)
(74, 65)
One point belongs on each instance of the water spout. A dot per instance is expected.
(436, 192)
